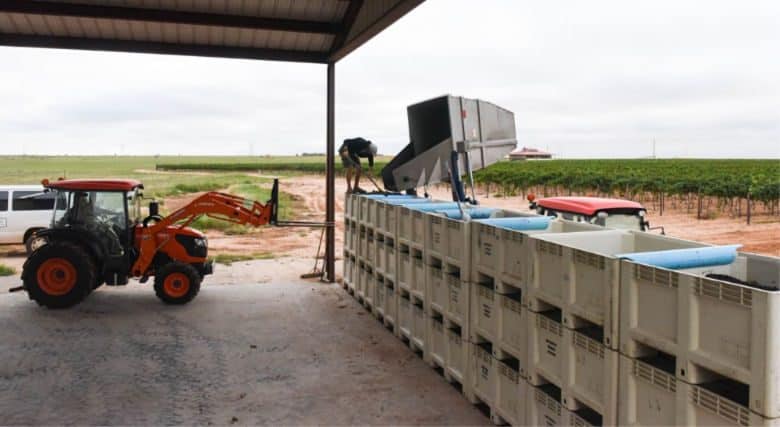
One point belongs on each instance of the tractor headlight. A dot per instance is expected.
(200, 242)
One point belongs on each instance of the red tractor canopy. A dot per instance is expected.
(93, 184)
(587, 205)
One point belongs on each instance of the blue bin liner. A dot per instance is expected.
(390, 196)
(403, 202)
(519, 223)
(474, 213)
(430, 207)
(677, 259)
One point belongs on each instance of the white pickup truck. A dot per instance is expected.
(24, 209)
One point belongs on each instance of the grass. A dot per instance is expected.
(314, 165)
(32, 169)
(252, 190)
(6, 270)
(229, 259)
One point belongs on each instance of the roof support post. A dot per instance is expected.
(330, 176)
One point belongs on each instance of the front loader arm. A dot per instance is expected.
(221, 206)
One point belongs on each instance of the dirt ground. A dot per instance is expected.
(763, 236)
(280, 352)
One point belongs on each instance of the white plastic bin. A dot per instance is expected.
(513, 328)
(379, 295)
(457, 354)
(369, 292)
(366, 216)
(515, 247)
(437, 351)
(702, 407)
(708, 323)
(458, 301)
(370, 248)
(580, 273)
(405, 315)
(545, 348)
(419, 324)
(405, 268)
(390, 255)
(391, 302)
(381, 253)
(544, 406)
(648, 394)
(590, 374)
(512, 393)
(360, 284)
(484, 311)
(418, 274)
(486, 243)
(437, 288)
(484, 373)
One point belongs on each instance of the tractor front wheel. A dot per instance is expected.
(176, 283)
(58, 275)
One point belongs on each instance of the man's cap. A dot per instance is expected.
(373, 148)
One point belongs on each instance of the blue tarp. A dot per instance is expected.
(686, 258)
(519, 223)
(389, 196)
(473, 213)
(430, 207)
(407, 201)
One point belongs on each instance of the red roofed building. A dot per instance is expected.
(526, 153)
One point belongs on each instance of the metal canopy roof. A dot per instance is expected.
(318, 31)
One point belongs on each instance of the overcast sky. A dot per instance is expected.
(585, 79)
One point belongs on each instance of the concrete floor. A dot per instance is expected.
(284, 352)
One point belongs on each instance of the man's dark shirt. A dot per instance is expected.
(356, 148)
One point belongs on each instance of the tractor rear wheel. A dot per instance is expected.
(59, 275)
(176, 283)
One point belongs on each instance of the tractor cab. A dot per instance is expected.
(610, 213)
(109, 208)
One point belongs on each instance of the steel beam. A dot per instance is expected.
(395, 13)
(346, 24)
(167, 16)
(24, 40)
(330, 177)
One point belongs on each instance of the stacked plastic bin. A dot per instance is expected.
(700, 341)
(556, 322)
(501, 249)
(573, 298)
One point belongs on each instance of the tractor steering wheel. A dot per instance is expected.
(156, 218)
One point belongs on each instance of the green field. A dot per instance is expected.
(306, 165)
(723, 179)
(755, 178)
(32, 169)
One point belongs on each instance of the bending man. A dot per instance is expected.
(351, 151)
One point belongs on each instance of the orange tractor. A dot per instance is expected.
(98, 237)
